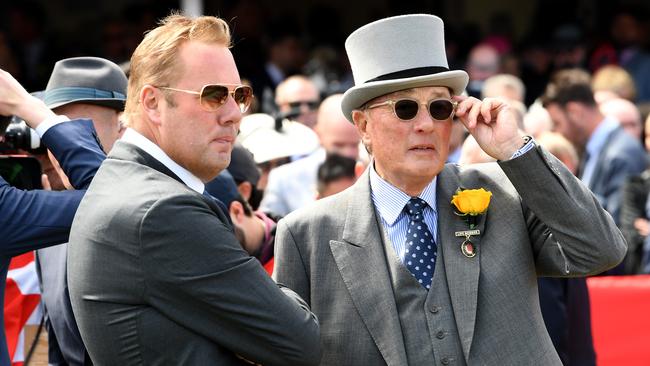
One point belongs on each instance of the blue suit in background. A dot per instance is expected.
(36, 219)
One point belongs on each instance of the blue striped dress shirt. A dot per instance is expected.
(390, 201)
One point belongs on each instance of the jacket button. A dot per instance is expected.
(445, 361)
(435, 309)
(440, 334)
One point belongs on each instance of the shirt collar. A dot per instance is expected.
(135, 138)
(599, 136)
(390, 200)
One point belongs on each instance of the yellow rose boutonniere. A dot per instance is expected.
(471, 201)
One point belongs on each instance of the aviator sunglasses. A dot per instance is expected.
(213, 96)
(406, 109)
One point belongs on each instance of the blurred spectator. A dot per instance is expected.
(483, 62)
(254, 230)
(626, 113)
(336, 174)
(504, 86)
(609, 154)
(611, 81)
(246, 175)
(537, 120)
(635, 224)
(293, 185)
(507, 87)
(472, 153)
(274, 141)
(561, 148)
(297, 99)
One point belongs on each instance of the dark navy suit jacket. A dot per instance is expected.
(622, 156)
(31, 220)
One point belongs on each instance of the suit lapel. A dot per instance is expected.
(126, 151)
(362, 263)
(462, 272)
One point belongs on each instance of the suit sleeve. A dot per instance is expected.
(571, 234)
(36, 219)
(199, 276)
(74, 144)
(289, 268)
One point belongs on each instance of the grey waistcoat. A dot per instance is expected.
(426, 317)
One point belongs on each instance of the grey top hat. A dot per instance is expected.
(91, 80)
(398, 53)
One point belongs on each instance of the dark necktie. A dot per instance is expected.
(421, 250)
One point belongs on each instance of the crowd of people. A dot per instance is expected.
(202, 212)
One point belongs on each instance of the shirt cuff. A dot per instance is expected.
(529, 145)
(49, 123)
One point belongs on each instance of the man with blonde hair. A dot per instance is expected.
(156, 274)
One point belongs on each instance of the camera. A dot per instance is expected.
(18, 136)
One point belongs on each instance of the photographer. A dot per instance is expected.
(35, 219)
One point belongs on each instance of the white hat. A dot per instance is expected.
(398, 53)
(257, 133)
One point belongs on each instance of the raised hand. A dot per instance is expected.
(492, 124)
(15, 100)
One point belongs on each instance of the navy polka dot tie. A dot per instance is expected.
(421, 250)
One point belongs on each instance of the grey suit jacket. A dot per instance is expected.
(541, 221)
(156, 277)
(621, 157)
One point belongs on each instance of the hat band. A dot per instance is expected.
(409, 73)
(74, 93)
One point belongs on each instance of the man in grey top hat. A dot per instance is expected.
(80, 87)
(422, 263)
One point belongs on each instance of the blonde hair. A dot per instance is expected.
(615, 79)
(155, 61)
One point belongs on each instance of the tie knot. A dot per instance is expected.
(415, 206)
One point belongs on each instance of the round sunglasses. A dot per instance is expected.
(406, 109)
(213, 96)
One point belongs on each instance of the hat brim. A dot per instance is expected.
(113, 103)
(358, 95)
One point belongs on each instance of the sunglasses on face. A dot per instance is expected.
(213, 96)
(311, 104)
(406, 109)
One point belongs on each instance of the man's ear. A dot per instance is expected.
(151, 100)
(245, 189)
(360, 119)
(236, 211)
